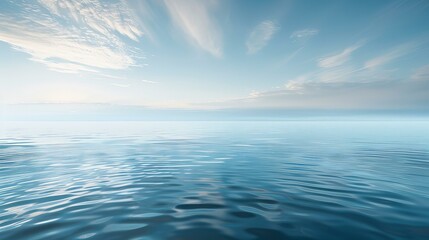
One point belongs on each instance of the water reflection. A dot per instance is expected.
(231, 180)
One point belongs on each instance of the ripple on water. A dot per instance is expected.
(233, 181)
(199, 206)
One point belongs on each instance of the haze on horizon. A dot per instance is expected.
(216, 54)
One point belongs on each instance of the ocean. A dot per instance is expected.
(214, 180)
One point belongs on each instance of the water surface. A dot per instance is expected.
(214, 180)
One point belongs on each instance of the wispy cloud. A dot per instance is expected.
(339, 85)
(303, 34)
(297, 83)
(65, 67)
(338, 58)
(99, 16)
(72, 36)
(421, 74)
(195, 19)
(344, 76)
(260, 36)
(311, 91)
(148, 81)
(391, 55)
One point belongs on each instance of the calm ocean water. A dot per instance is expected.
(214, 180)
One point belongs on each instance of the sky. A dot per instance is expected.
(215, 54)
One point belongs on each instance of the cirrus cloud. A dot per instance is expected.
(338, 58)
(260, 36)
(194, 18)
(303, 34)
(72, 36)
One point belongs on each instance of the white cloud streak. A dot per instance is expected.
(339, 58)
(312, 91)
(100, 17)
(304, 34)
(194, 18)
(65, 67)
(260, 36)
(421, 74)
(72, 36)
(148, 81)
(336, 85)
(391, 55)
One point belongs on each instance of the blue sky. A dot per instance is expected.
(192, 54)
